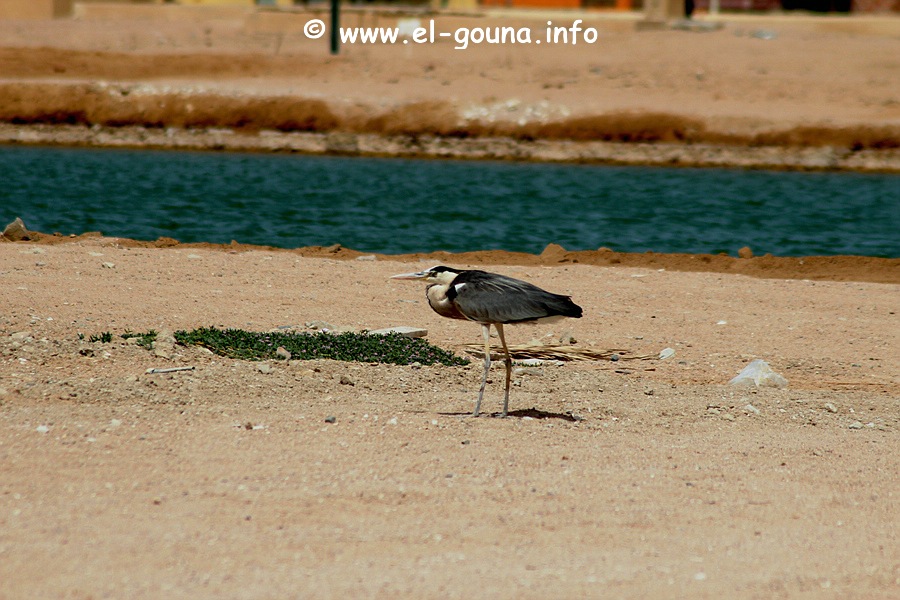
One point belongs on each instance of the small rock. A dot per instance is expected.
(567, 339)
(764, 34)
(109, 265)
(161, 352)
(264, 368)
(751, 408)
(306, 373)
(830, 407)
(16, 231)
(392, 421)
(115, 423)
(553, 252)
(282, 353)
(330, 419)
(532, 371)
(164, 344)
(45, 429)
(165, 337)
(404, 330)
(728, 416)
(666, 353)
(366, 257)
(614, 358)
(319, 325)
(745, 252)
(346, 380)
(855, 425)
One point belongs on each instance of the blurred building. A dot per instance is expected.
(44, 9)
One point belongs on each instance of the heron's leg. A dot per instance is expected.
(486, 332)
(499, 327)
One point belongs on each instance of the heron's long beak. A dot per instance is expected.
(419, 275)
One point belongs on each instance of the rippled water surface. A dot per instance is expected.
(398, 206)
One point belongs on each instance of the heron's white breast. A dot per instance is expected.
(437, 299)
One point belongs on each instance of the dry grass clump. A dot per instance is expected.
(558, 352)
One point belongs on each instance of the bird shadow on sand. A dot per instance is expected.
(531, 413)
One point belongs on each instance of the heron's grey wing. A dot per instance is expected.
(495, 298)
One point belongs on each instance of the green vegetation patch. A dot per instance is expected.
(104, 338)
(360, 347)
(145, 340)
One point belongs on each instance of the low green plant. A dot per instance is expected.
(145, 340)
(104, 338)
(360, 347)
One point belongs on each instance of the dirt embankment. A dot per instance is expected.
(724, 97)
(815, 268)
(155, 106)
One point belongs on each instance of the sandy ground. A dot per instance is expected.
(649, 478)
(820, 85)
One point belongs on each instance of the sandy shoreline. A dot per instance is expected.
(811, 268)
(637, 478)
(826, 158)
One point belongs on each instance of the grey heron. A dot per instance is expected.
(491, 299)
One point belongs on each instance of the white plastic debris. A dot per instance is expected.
(759, 373)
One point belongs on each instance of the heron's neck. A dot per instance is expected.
(437, 299)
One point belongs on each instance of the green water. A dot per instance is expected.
(399, 206)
